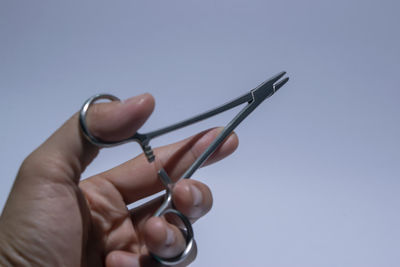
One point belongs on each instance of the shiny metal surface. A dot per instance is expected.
(253, 98)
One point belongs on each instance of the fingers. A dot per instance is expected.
(161, 236)
(137, 178)
(67, 152)
(119, 258)
(114, 121)
(122, 259)
(186, 198)
(192, 198)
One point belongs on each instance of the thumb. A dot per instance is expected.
(67, 153)
(63, 156)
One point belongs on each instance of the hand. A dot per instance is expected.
(52, 219)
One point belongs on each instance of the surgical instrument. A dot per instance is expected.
(253, 98)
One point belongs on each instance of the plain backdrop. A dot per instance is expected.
(315, 180)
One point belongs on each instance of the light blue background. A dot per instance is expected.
(315, 180)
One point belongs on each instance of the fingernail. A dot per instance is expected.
(197, 196)
(136, 99)
(170, 239)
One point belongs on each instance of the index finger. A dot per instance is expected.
(137, 178)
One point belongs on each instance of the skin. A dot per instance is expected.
(51, 218)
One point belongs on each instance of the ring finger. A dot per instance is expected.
(162, 236)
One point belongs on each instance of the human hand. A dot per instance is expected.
(53, 219)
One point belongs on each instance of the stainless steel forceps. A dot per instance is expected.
(254, 98)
